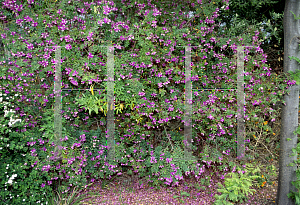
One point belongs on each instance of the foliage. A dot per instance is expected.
(71, 199)
(83, 157)
(266, 16)
(237, 187)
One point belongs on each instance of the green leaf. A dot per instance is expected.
(297, 131)
(290, 165)
(295, 58)
(295, 17)
(185, 194)
(288, 139)
(175, 196)
(232, 196)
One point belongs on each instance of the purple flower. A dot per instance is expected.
(210, 117)
(106, 10)
(82, 138)
(89, 37)
(44, 35)
(106, 20)
(43, 185)
(100, 22)
(28, 18)
(153, 160)
(53, 62)
(90, 55)
(81, 10)
(19, 21)
(30, 46)
(71, 160)
(141, 93)
(46, 168)
(62, 27)
(156, 12)
(19, 7)
(171, 109)
(168, 159)
(3, 35)
(46, 56)
(44, 63)
(31, 143)
(68, 46)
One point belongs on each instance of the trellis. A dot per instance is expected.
(188, 103)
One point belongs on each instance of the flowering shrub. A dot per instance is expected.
(145, 50)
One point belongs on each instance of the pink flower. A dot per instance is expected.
(68, 46)
(30, 46)
(19, 21)
(34, 24)
(89, 37)
(168, 159)
(141, 93)
(90, 55)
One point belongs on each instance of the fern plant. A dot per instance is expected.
(237, 187)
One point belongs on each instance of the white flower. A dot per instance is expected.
(9, 181)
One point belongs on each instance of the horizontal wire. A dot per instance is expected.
(191, 89)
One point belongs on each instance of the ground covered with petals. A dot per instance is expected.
(127, 190)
